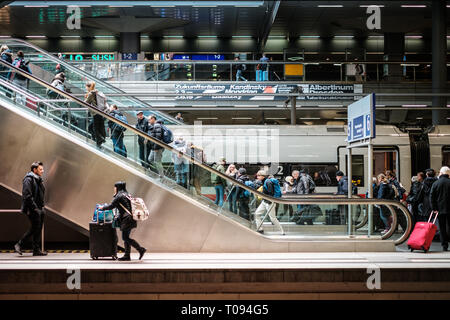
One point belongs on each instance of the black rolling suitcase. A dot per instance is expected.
(102, 240)
(333, 217)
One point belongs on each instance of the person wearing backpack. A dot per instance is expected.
(118, 131)
(393, 180)
(121, 202)
(155, 130)
(18, 79)
(288, 188)
(271, 187)
(97, 125)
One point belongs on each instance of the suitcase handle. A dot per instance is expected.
(431, 214)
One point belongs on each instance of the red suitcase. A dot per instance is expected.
(423, 234)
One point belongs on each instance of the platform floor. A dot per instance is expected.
(435, 258)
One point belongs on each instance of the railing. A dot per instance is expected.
(187, 70)
(187, 164)
(45, 64)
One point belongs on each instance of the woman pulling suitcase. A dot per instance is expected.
(127, 223)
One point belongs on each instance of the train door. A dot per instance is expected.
(446, 156)
(359, 166)
(385, 158)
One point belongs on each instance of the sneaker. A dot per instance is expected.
(141, 253)
(17, 248)
(385, 231)
(39, 253)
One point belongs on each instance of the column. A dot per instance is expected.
(394, 50)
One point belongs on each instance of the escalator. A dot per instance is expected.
(183, 219)
(44, 66)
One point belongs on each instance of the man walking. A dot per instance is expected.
(156, 151)
(33, 192)
(440, 201)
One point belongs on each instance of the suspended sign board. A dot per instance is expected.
(361, 119)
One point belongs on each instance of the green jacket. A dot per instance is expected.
(215, 179)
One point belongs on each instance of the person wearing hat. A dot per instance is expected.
(122, 203)
(342, 183)
(144, 150)
(218, 182)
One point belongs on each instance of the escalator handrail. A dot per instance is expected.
(305, 200)
(85, 74)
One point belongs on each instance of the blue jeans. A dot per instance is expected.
(259, 75)
(119, 147)
(219, 194)
(384, 215)
(239, 75)
(181, 171)
(232, 200)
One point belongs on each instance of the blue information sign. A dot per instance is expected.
(361, 119)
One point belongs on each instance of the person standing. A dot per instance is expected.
(117, 131)
(5, 55)
(440, 201)
(97, 126)
(144, 152)
(156, 151)
(424, 203)
(180, 165)
(33, 193)
(232, 172)
(179, 117)
(264, 73)
(18, 79)
(122, 203)
(242, 195)
(218, 182)
(268, 189)
(413, 196)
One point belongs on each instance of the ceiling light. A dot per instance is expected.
(309, 37)
(414, 5)
(414, 105)
(371, 5)
(344, 37)
(36, 37)
(212, 118)
(70, 36)
(275, 118)
(309, 118)
(100, 37)
(413, 37)
(242, 118)
(178, 37)
(330, 6)
(376, 37)
(121, 6)
(277, 37)
(207, 36)
(242, 37)
(42, 6)
(330, 105)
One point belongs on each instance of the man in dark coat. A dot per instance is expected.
(122, 203)
(144, 151)
(33, 193)
(440, 201)
(156, 151)
(424, 204)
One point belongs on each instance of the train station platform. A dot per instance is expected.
(236, 276)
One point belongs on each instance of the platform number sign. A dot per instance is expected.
(129, 56)
(361, 119)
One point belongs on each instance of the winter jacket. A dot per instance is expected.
(7, 57)
(125, 219)
(384, 191)
(288, 188)
(413, 196)
(400, 189)
(440, 195)
(303, 185)
(424, 201)
(143, 126)
(215, 179)
(179, 145)
(239, 191)
(25, 68)
(117, 131)
(155, 130)
(343, 186)
(33, 193)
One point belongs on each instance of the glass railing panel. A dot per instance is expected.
(46, 66)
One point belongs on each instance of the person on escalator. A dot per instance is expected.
(118, 131)
(97, 125)
(156, 151)
(127, 223)
(5, 55)
(20, 80)
(144, 151)
(271, 187)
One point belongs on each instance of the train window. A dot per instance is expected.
(446, 156)
(324, 175)
(385, 159)
(357, 169)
